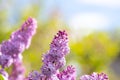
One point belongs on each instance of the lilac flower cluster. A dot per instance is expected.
(54, 59)
(95, 76)
(11, 50)
(68, 74)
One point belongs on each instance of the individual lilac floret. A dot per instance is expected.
(95, 76)
(68, 74)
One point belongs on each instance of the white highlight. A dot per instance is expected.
(85, 23)
(107, 3)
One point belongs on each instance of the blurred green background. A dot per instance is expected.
(98, 51)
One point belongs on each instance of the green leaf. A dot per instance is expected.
(1, 77)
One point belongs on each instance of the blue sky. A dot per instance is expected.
(87, 14)
(84, 15)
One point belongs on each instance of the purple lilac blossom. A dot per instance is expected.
(18, 71)
(54, 58)
(48, 70)
(35, 75)
(24, 35)
(5, 60)
(10, 50)
(59, 45)
(53, 77)
(19, 39)
(95, 76)
(68, 74)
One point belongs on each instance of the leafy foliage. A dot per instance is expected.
(1, 77)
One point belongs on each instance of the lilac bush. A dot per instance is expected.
(53, 60)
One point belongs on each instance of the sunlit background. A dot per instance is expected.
(93, 27)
